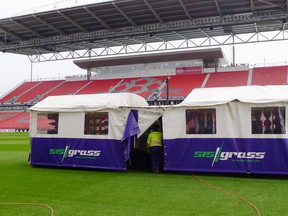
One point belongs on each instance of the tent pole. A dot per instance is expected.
(31, 71)
(167, 90)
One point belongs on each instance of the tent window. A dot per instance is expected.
(201, 121)
(268, 120)
(47, 123)
(96, 123)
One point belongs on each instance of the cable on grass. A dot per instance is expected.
(31, 204)
(230, 194)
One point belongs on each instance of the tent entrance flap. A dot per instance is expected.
(147, 117)
(130, 133)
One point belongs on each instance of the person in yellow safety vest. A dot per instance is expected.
(154, 146)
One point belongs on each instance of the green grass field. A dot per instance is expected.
(74, 192)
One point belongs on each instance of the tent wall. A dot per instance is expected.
(233, 148)
(76, 152)
(71, 124)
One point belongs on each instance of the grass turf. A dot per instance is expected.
(97, 192)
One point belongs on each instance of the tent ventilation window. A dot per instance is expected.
(96, 123)
(47, 123)
(268, 120)
(201, 121)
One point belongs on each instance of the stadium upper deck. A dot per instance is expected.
(179, 84)
(153, 88)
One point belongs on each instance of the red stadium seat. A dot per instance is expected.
(270, 75)
(227, 79)
(38, 90)
(17, 120)
(182, 85)
(67, 88)
(99, 86)
(14, 94)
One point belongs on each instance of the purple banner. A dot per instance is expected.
(266, 156)
(86, 153)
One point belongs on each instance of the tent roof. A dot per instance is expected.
(89, 102)
(247, 94)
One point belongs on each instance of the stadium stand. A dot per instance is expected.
(14, 94)
(7, 115)
(276, 75)
(182, 85)
(142, 86)
(154, 89)
(99, 86)
(14, 120)
(227, 79)
(66, 88)
(34, 93)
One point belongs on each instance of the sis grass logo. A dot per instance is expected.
(220, 155)
(67, 152)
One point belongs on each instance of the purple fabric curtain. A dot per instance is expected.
(130, 133)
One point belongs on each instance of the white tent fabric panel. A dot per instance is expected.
(147, 116)
(71, 124)
(246, 94)
(88, 102)
(174, 123)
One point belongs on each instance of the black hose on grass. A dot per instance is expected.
(31, 204)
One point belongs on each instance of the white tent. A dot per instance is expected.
(232, 129)
(86, 130)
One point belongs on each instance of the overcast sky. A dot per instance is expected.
(17, 68)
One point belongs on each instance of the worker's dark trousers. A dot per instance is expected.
(155, 153)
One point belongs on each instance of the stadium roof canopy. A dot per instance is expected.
(133, 26)
(207, 55)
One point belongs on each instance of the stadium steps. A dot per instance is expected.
(4, 116)
(19, 120)
(46, 94)
(27, 91)
(14, 94)
(99, 86)
(88, 82)
(249, 81)
(33, 94)
(66, 88)
(115, 86)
